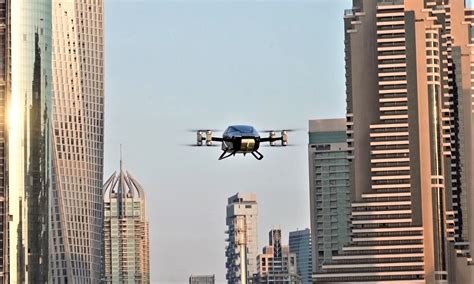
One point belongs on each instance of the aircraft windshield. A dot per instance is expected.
(243, 129)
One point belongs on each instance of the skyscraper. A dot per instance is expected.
(329, 189)
(410, 136)
(276, 264)
(300, 244)
(241, 250)
(126, 234)
(25, 160)
(78, 136)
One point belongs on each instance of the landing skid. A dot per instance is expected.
(226, 154)
(257, 155)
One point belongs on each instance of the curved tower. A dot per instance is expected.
(25, 166)
(78, 144)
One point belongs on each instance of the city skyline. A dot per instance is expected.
(269, 51)
(399, 74)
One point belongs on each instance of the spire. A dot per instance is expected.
(121, 173)
(121, 161)
(121, 187)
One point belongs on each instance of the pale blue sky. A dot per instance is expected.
(174, 65)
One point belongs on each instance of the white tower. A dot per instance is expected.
(241, 251)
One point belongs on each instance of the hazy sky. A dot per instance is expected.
(174, 65)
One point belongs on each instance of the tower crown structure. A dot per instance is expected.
(123, 185)
(126, 233)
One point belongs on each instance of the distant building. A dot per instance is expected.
(241, 251)
(300, 244)
(276, 264)
(126, 243)
(202, 279)
(329, 189)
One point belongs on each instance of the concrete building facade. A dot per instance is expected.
(409, 126)
(242, 237)
(329, 189)
(300, 244)
(126, 232)
(78, 140)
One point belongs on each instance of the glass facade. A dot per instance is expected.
(300, 244)
(332, 202)
(28, 126)
(329, 189)
(469, 4)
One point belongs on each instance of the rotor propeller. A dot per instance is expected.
(280, 130)
(195, 145)
(203, 129)
(279, 145)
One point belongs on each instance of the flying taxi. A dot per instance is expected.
(241, 139)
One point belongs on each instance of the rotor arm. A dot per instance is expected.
(271, 139)
(206, 136)
(221, 139)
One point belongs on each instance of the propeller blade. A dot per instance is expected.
(203, 145)
(281, 146)
(280, 130)
(203, 129)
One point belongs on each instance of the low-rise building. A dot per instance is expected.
(202, 279)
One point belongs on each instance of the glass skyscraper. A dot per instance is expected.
(300, 244)
(78, 140)
(126, 234)
(25, 160)
(329, 189)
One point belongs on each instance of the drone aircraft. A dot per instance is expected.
(241, 139)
